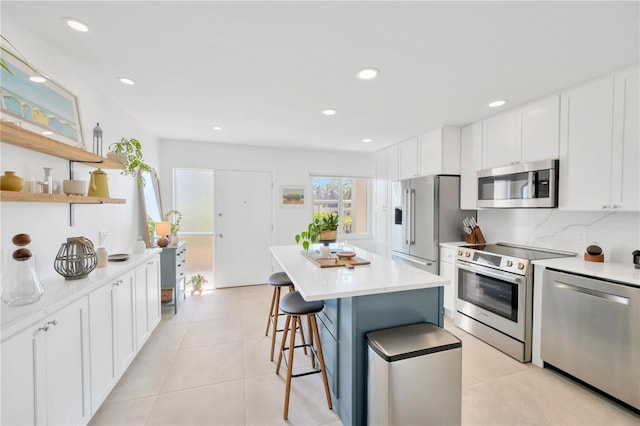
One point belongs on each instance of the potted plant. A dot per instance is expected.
(197, 283)
(328, 226)
(129, 153)
(323, 228)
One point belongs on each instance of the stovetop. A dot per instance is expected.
(506, 257)
(520, 252)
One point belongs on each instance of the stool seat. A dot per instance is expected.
(293, 303)
(279, 279)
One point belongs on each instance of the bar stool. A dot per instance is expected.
(277, 280)
(294, 306)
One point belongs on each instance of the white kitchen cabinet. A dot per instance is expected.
(382, 182)
(625, 178)
(470, 163)
(102, 342)
(540, 130)
(501, 140)
(392, 166)
(599, 145)
(408, 158)
(522, 135)
(45, 370)
(111, 333)
(448, 270)
(440, 152)
(386, 173)
(147, 300)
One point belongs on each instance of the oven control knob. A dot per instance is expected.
(459, 252)
(520, 265)
(509, 263)
(468, 254)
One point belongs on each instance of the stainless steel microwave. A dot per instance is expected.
(522, 185)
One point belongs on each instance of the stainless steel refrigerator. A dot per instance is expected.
(426, 211)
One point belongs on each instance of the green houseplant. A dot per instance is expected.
(327, 224)
(132, 149)
(323, 228)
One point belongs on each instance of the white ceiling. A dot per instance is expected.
(264, 71)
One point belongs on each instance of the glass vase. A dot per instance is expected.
(21, 283)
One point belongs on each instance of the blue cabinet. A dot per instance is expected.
(172, 271)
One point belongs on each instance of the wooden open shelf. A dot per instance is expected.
(16, 135)
(57, 198)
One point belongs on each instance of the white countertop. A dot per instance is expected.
(621, 272)
(59, 293)
(381, 276)
(454, 244)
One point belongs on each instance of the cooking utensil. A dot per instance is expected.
(466, 223)
(467, 230)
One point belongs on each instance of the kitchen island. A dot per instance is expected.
(380, 295)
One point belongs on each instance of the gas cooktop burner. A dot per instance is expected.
(507, 257)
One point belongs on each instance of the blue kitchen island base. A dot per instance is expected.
(359, 315)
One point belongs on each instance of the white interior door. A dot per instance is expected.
(243, 227)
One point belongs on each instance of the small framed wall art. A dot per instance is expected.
(292, 196)
(42, 107)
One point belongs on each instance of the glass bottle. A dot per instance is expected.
(21, 283)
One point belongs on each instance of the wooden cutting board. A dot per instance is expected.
(334, 261)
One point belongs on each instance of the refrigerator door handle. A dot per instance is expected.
(412, 234)
(407, 219)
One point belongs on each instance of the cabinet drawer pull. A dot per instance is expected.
(117, 283)
(605, 207)
(47, 325)
(150, 263)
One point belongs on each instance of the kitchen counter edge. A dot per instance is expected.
(621, 272)
(60, 293)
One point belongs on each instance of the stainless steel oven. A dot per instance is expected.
(495, 294)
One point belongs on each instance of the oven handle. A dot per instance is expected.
(504, 276)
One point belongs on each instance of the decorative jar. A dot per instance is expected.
(10, 182)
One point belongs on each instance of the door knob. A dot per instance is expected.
(219, 235)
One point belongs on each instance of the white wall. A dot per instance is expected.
(289, 167)
(617, 233)
(48, 223)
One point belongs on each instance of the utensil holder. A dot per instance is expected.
(476, 237)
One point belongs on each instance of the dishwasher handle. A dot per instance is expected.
(601, 294)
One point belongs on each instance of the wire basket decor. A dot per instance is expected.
(76, 258)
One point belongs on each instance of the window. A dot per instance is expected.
(349, 197)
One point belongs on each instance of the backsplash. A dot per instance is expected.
(617, 233)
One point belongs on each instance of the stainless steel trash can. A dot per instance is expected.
(414, 376)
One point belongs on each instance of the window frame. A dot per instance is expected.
(369, 205)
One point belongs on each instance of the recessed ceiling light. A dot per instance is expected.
(366, 140)
(47, 132)
(127, 81)
(217, 128)
(329, 111)
(37, 79)
(76, 25)
(497, 103)
(367, 73)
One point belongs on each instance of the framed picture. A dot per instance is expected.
(292, 196)
(45, 108)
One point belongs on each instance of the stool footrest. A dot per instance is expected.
(314, 354)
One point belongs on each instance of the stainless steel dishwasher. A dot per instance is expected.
(591, 330)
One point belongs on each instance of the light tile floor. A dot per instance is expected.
(209, 365)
